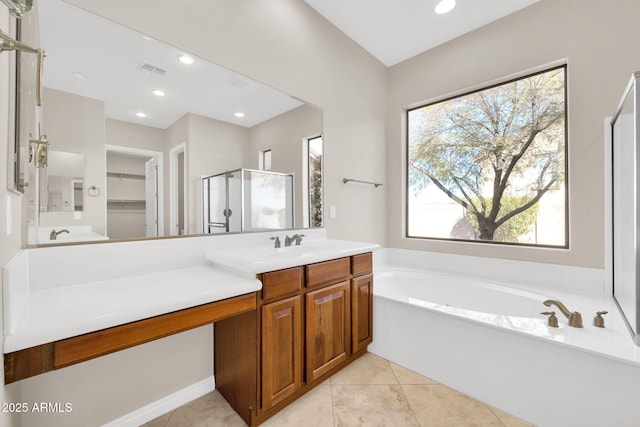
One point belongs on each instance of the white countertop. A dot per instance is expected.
(260, 259)
(62, 312)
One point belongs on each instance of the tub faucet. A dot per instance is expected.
(54, 233)
(575, 318)
(295, 238)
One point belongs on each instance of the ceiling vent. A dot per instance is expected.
(238, 81)
(152, 69)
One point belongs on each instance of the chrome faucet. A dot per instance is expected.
(277, 241)
(575, 318)
(295, 238)
(54, 234)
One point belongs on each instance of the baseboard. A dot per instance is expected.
(164, 405)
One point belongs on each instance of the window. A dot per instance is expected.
(314, 168)
(490, 165)
(265, 160)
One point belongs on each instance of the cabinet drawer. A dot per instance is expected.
(361, 264)
(281, 282)
(328, 271)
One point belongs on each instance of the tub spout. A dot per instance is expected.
(575, 318)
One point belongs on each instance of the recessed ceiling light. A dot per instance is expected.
(158, 92)
(186, 59)
(146, 37)
(445, 6)
(79, 75)
(141, 114)
(239, 114)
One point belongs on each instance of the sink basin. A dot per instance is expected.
(260, 259)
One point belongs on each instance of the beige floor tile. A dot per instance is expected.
(368, 369)
(160, 421)
(509, 420)
(210, 410)
(437, 405)
(314, 409)
(371, 406)
(406, 376)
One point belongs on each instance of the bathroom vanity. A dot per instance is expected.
(284, 319)
(311, 321)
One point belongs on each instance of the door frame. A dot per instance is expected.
(159, 156)
(174, 153)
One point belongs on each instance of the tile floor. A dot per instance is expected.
(370, 392)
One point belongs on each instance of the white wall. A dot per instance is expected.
(599, 41)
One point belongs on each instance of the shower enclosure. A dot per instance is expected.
(247, 200)
(625, 138)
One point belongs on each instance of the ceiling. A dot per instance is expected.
(396, 30)
(111, 57)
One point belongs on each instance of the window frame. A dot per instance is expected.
(483, 87)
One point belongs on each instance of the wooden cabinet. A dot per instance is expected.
(327, 327)
(361, 312)
(281, 350)
(311, 321)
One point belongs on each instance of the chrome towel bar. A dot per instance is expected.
(375, 184)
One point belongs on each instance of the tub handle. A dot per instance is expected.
(553, 320)
(598, 321)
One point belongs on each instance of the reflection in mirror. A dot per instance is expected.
(64, 182)
(110, 89)
(247, 200)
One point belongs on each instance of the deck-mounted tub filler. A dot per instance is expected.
(475, 324)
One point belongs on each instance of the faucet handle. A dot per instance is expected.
(598, 321)
(553, 320)
(277, 241)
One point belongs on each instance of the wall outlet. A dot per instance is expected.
(77, 215)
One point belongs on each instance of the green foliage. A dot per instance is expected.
(514, 229)
(315, 189)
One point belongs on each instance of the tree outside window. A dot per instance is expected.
(490, 165)
(315, 150)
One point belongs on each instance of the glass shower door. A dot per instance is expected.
(268, 200)
(215, 204)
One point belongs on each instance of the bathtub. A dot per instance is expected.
(486, 337)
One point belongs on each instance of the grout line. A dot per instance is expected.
(394, 373)
(496, 415)
(404, 393)
(169, 419)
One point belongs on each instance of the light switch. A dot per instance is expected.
(332, 212)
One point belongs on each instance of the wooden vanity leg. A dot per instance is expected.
(235, 362)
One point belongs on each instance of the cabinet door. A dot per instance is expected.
(281, 350)
(328, 328)
(361, 312)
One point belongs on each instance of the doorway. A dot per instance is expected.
(134, 193)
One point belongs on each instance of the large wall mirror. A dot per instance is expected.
(149, 123)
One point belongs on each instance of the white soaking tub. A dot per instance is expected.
(486, 337)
